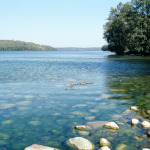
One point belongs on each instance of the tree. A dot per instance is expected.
(127, 30)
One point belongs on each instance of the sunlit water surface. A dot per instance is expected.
(35, 106)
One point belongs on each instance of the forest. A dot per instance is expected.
(11, 45)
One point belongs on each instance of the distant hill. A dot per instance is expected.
(11, 45)
(79, 49)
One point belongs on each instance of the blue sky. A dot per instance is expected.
(59, 23)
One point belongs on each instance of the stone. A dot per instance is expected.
(39, 147)
(145, 124)
(81, 143)
(134, 121)
(97, 124)
(84, 133)
(104, 148)
(103, 142)
(121, 147)
(145, 149)
(81, 127)
(148, 132)
(134, 108)
(111, 125)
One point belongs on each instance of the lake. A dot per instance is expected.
(36, 107)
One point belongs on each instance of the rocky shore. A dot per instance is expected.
(81, 143)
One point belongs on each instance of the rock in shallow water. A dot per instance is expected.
(81, 143)
(81, 127)
(103, 142)
(145, 149)
(84, 133)
(145, 124)
(134, 121)
(39, 147)
(134, 108)
(97, 124)
(111, 125)
(104, 148)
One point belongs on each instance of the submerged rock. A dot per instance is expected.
(90, 118)
(34, 123)
(7, 122)
(145, 124)
(81, 127)
(121, 147)
(134, 108)
(134, 121)
(81, 143)
(7, 106)
(97, 124)
(84, 133)
(111, 125)
(104, 148)
(145, 149)
(39, 147)
(103, 142)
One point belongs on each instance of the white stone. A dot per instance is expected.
(81, 143)
(145, 149)
(134, 108)
(103, 142)
(39, 147)
(145, 124)
(135, 121)
(104, 148)
(111, 125)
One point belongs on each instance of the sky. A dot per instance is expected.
(58, 23)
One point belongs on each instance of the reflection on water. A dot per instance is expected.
(36, 108)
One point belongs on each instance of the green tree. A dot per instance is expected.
(127, 30)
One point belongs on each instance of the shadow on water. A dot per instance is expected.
(133, 87)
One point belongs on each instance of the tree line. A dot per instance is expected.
(11, 45)
(127, 30)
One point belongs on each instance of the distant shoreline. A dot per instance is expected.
(11, 45)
